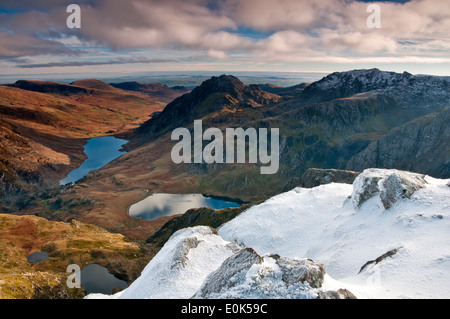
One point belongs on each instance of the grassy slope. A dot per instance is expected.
(42, 134)
(66, 243)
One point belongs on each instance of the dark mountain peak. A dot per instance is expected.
(213, 95)
(222, 84)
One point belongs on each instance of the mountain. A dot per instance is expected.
(334, 123)
(336, 130)
(93, 84)
(330, 131)
(384, 236)
(223, 94)
(407, 90)
(159, 90)
(48, 87)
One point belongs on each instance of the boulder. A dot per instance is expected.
(306, 270)
(339, 294)
(225, 276)
(390, 185)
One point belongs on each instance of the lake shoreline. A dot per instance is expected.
(157, 205)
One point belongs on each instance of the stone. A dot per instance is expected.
(390, 185)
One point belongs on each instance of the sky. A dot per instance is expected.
(126, 37)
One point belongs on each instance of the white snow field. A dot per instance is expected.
(338, 225)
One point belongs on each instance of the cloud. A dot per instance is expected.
(19, 45)
(26, 64)
(283, 30)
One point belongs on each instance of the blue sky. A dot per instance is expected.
(126, 37)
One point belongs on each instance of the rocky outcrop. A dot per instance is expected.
(225, 277)
(305, 270)
(248, 275)
(338, 294)
(390, 253)
(389, 185)
(180, 267)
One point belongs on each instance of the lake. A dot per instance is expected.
(158, 205)
(37, 257)
(97, 279)
(100, 151)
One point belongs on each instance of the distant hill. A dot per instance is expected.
(93, 84)
(48, 87)
(284, 91)
(154, 89)
(44, 125)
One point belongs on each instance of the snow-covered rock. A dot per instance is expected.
(180, 267)
(323, 224)
(389, 185)
(246, 275)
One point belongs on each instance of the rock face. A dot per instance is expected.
(415, 146)
(390, 185)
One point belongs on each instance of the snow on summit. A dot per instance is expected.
(385, 236)
(324, 225)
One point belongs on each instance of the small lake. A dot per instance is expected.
(100, 151)
(37, 257)
(158, 205)
(96, 279)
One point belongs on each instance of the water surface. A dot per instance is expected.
(97, 279)
(100, 151)
(158, 205)
(37, 257)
